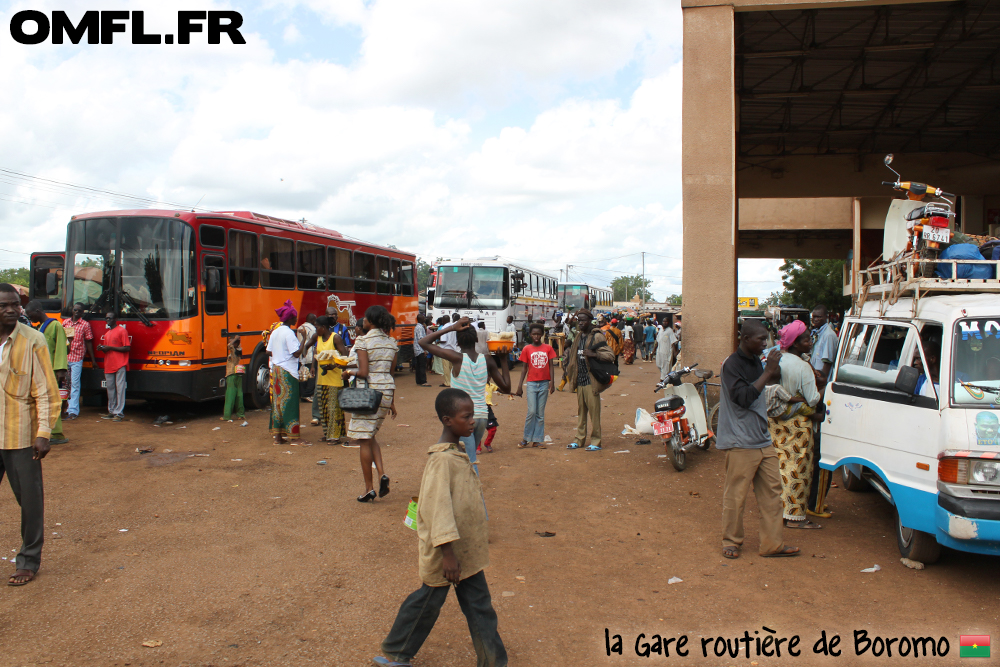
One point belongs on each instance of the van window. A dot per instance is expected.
(872, 355)
(976, 361)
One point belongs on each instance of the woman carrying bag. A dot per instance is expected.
(375, 353)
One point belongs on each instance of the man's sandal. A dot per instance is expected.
(802, 525)
(27, 578)
(731, 553)
(523, 444)
(574, 445)
(784, 551)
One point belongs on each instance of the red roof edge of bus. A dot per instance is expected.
(260, 217)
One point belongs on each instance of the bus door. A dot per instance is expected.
(215, 318)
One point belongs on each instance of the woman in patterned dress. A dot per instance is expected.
(375, 353)
(329, 381)
(793, 437)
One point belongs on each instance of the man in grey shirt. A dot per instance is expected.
(750, 456)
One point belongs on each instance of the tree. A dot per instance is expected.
(423, 275)
(15, 276)
(809, 282)
(626, 287)
(776, 299)
(675, 300)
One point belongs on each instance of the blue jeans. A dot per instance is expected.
(534, 421)
(472, 441)
(75, 371)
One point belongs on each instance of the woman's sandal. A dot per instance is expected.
(819, 515)
(802, 525)
(731, 553)
(523, 444)
(368, 497)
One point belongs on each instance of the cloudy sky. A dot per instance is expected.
(546, 132)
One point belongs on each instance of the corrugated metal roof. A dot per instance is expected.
(892, 78)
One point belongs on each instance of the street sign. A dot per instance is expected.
(746, 302)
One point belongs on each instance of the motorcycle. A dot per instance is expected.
(673, 423)
(928, 225)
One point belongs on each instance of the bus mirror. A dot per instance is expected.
(51, 284)
(906, 380)
(212, 281)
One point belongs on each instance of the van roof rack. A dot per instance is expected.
(903, 277)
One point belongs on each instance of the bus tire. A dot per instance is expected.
(916, 544)
(258, 376)
(852, 483)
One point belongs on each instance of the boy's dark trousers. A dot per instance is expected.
(420, 610)
(24, 474)
(420, 365)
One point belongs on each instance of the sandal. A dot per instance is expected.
(27, 578)
(819, 515)
(574, 445)
(802, 525)
(731, 553)
(784, 551)
(593, 448)
(523, 444)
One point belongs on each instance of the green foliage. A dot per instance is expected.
(625, 288)
(674, 300)
(777, 298)
(15, 276)
(423, 275)
(809, 282)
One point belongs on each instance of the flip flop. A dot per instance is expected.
(31, 577)
(802, 525)
(731, 553)
(522, 445)
(593, 448)
(574, 445)
(785, 551)
(819, 515)
(379, 661)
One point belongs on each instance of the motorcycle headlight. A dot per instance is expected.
(986, 472)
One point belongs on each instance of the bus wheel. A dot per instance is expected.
(260, 381)
(916, 544)
(852, 483)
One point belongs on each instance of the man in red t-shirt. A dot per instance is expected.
(537, 358)
(115, 347)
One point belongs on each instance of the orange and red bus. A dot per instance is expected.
(183, 283)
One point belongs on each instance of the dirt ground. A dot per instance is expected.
(256, 555)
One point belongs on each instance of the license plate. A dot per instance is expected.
(936, 234)
(663, 428)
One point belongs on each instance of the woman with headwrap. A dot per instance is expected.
(284, 350)
(792, 434)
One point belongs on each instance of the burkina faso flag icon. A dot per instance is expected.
(974, 646)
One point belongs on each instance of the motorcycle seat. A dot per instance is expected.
(703, 374)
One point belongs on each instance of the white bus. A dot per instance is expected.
(490, 290)
(574, 296)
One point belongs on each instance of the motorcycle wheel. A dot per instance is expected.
(675, 451)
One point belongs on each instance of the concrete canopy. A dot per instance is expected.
(788, 110)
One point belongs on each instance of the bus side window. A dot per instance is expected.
(339, 262)
(364, 273)
(384, 276)
(277, 263)
(394, 276)
(311, 260)
(243, 263)
(406, 279)
(215, 285)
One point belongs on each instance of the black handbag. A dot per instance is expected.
(602, 370)
(360, 400)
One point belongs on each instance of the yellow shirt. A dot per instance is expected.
(31, 402)
(332, 378)
(451, 509)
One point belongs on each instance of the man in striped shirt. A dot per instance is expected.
(29, 408)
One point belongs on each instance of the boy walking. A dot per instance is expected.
(537, 359)
(451, 528)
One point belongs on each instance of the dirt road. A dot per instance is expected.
(256, 555)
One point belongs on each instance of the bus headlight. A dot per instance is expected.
(986, 472)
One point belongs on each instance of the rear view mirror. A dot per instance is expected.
(906, 380)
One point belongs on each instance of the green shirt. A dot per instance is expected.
(55, 336)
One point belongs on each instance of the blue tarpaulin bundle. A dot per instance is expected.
(965, 271)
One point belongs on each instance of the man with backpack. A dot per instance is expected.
(589, 373)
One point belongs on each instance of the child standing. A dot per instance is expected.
(451, 528)
(537, 359)
(234, 381)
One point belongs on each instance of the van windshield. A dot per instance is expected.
(976, 362)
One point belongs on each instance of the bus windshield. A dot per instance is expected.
(976, 362)
(135, 265)
(573, 297)
(489, 287)
(452, 289)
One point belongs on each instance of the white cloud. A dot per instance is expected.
(291, 34)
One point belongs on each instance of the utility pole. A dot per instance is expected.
(642, 288)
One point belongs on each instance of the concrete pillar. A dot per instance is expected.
(708, 164)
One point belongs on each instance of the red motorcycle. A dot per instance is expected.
(678, 433)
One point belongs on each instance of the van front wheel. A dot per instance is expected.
(916, 544)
